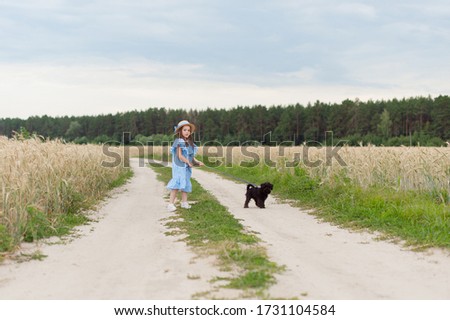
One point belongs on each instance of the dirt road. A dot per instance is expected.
(126, 255)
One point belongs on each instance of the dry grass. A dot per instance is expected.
(399, 168)
(51, 177)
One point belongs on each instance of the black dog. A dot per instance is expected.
(259, 194)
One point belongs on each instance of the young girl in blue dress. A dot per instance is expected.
(183, 151)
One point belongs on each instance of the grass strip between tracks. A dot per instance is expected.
(210, 228)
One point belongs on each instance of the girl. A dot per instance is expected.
(183, 152)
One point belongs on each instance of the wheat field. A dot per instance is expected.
(398, 168)
(49, 177)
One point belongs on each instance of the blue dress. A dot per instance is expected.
(181, 172)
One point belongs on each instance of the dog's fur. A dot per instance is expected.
(259, 194)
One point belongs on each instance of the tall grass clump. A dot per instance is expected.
(46, 184)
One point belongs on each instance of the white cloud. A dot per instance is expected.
(83, 90)
(358, 9)
(304, 74)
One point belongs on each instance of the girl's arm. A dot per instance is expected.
(183, 158)
(196, 162)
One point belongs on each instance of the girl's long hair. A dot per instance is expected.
(189, 140)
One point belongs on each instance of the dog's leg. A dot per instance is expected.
(247, 200)
(260, 203)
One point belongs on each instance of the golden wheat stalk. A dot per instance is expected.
(48, 176)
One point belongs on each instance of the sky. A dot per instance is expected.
(81, 57)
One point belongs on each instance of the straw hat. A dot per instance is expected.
(183, 123)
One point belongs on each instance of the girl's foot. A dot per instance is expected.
(171, 207)
(185, 205)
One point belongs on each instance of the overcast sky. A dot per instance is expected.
(106, 56)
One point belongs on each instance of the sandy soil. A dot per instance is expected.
(127, 255)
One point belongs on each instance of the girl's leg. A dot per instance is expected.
(184, 203)
(184, 194)
(173, 196)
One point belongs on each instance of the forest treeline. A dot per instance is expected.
(412, 121)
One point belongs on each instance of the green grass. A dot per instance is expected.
(37, 255)
(121, 180)
(210, 228)
(40, 226)
(6, 241)
(258, 270)
(420, 219)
